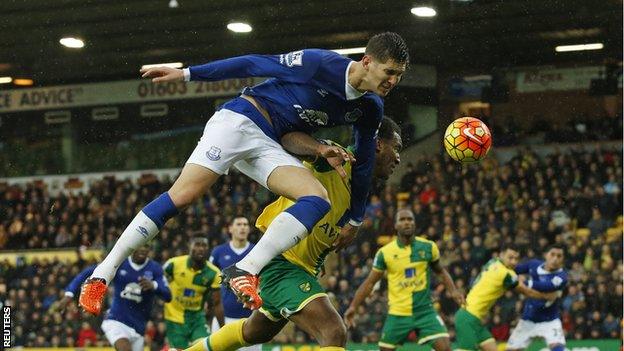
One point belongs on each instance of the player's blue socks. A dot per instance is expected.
(160, 210)
(309, 210)
(558, 348)
(286, 230)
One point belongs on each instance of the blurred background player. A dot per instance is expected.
(309, 89)
(408, 261)
(226, 255)
(541, 319)
(496, 277)
(196, 298)
(288, 284)
(136, 283)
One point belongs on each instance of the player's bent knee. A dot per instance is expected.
(334, 334)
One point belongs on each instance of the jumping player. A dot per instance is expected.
(308, 89)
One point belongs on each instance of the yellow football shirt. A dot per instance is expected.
(310, 253)
(409, 272)
(189, 287)
(495, 278)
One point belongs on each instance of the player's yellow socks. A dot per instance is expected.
(332, 348)
(229, 337)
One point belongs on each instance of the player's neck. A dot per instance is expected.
(357, 77)
(405, 240)
(239, 244)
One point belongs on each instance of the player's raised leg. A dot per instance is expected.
(190, 185)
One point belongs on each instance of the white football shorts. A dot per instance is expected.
(232, 139)
(525, 331)
(115, 330)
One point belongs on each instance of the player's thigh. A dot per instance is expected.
(295, 182)
(193, 182)
(177, 335)
(430, 326)
(319, 318)
(395, 331)
(551, 332)
(521, 336)
(117, 334)
(259, 329)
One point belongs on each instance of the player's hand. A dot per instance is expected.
(163, 74)
(458, 297)
(60, 306)
(146, 284)
(349, 317)
(348, 233)
(335, 156)
(551, 296)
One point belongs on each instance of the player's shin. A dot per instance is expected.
(143, 228)
(229, 337)
(287, 229)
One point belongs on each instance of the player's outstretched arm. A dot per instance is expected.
(302, 144)
(534, 294)
(72, 289)
(361, 294)
(448, 282)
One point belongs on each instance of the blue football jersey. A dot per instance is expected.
(536, 310)
(223, 256)
(307, 90)
(130, 305)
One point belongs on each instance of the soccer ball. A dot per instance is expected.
(467, 140)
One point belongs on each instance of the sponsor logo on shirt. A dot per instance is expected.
(353, 116)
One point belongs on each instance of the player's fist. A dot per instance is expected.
(146, 284)
(336, 157)
(348, 233)
(163, 74)
(349, 317)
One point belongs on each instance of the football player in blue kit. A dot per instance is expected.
(254, 133)
(224, 256)
(136, 283)
(541, 318)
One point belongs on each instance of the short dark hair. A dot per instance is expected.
(387, 128)
(555, 247)
(388, 45)
(509, 246)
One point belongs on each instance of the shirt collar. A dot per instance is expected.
(350, 92)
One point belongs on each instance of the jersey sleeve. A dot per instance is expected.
(510, 280)
(435, 252)
(379, 263)
(162, 289)
(168, 269)
(297, 66)
(73, 288)
(216, 281)
(524, 267)
(555, 283)
(365, 135)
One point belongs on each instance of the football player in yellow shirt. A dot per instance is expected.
(496, 277)
(194, 283)
(408, 261)
(288, 284)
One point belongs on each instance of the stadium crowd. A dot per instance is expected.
(570, 198)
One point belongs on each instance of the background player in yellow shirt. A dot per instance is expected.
(194, 283)
(288, 284)
(408, 261)
(496, 277)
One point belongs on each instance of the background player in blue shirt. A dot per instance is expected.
(226, 255)
(136, 283)
(307, 89)
(541, 318)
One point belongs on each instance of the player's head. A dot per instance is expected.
(140, 255)
(554, 255)
(385, 60)
(199, 248)
(239, 228)
(509, 255)
(405, 222)
(389, 145)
